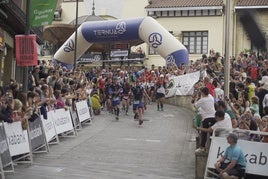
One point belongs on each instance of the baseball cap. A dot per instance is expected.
(162, 76)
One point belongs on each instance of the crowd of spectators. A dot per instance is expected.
(246, 106)
(51, 87)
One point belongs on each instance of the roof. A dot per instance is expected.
(252, 3)
(184, 3)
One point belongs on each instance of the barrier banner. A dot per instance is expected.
(75, 118)
(17, 138)
(36, 133)
(182, 85)
(256, 154)
(82, 110)
(62, 120)
(4, 150)
(49, 128)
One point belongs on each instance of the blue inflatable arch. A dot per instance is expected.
(146, 29)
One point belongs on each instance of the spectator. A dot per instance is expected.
(222, 106)
(96, 105)
(36, 76)
(250, 89)
(263, 123)
(205, 105)
(233, 163)
(254, 107)
(210, 86)
(223, 120)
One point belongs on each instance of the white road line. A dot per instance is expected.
(129, 139)
(150, 140)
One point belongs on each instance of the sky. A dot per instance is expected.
(105, 7)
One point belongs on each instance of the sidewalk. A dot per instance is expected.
(108, 149)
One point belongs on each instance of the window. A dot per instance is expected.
(184, 13)
(171, 13)
(152, 51)
(205, 12)
(192, 13)
(197, 42)
(178, 13)
(158, 13)
(164, 13)
(212, 12)
(71, 0)
(198, 12)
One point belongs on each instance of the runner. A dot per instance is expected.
(160, 92)
(125, 96)
(116, 97)
(137, 92)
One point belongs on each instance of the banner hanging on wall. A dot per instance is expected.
(26, 50)
(41, 12)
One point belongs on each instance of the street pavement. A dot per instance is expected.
(161, 148)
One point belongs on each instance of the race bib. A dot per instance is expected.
(161, 90)
(136, 102)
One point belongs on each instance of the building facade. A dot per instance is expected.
(199, 25)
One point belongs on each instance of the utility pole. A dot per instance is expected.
(75, 40)
(227, 48)
(27, 32)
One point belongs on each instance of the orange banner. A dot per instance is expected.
(26, 50)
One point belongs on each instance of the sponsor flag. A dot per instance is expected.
(41, 12)
(26, 50)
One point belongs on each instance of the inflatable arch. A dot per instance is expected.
(146, 29)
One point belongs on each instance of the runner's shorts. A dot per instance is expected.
(137, 104)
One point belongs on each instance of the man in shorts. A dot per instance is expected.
(233, 163)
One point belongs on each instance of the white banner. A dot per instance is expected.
(62, 120)
(49, 128)
(17, 138)
(82, 110)
(119, 53)
(182, 85)
(256, 154)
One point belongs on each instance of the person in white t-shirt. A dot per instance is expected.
(223, 120)
(206, 108)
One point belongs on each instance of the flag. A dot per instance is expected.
(26, 50)
(41, 12)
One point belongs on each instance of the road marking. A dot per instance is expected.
(145, 140)
(59, 169)
(129, 139)
(168, 115)
(150, 140)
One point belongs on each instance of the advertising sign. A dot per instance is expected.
(62, 120)
(41, 12)
(4, 150)
(82, 111)
(17, 138)
(49, 128)
(255, 152)
(36, 133)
